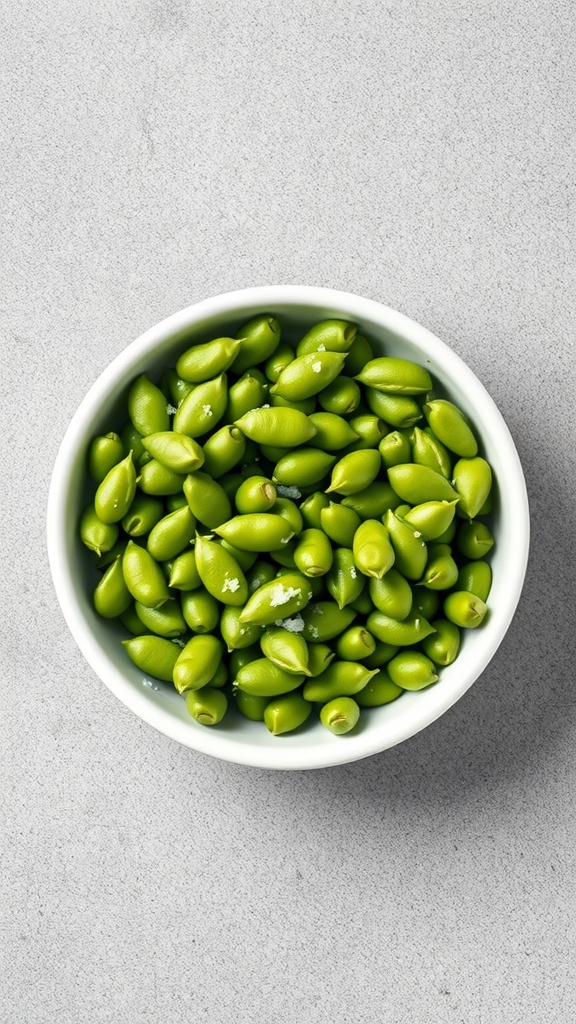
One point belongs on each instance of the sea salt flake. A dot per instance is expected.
(353, 572)
(171, 409)
(231, 585)
(207, 410)
(281, 595)
(295, 624)
(317, 367)
(266, 406)
(288, 492)
(178, 642)
(314, 632)
(322, 348)
(417, 534)
(316, 610)
(256, 583)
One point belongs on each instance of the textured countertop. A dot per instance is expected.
(153, 153)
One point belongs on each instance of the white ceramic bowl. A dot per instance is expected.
(237, 739)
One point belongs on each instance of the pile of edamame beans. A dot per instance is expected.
(297, 530)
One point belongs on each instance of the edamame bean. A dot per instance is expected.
(327, 336)
(428, 451)
(166, 621)
(285, 714)
(96, 535)
(319, 657)
(265, 679)
(341, 397)
(451, 427)
(473, 481)
(258, 531)
(324, 620)
(340, 679)
(143, 514)
(174, 387)
(184, 573)
(256, 494)
(417, 484)
(441, 573)
(303, 467)
(177, 452)
(308, 375)
(370, 430)
(395, 376)
(411, 670)
(271, 426)
(204, 362)
(410, 551)
(373, 551)
(260, 338)
(379, 691)
(339, 524)
(401, 634)
(104, 453)
(442, 646)
(474, 540)
(355, 644)
(392, 594)
(153, 655)
(143, 576)
(432, 518)
(277, 599)
(373, 502)
(355, 472)
(464, 609)
(171, 535)
(344, 582)
(332, 432)
(313, 554)
(359, 353)
(206, 706)
(285, 649)
(236, 634)
(203, 408)
(112, 597)
(207, 499)
(132, 623)
(116, 492)
(220, 573)
(197, 663)
(476, 578)
(399, 411)
(158, 480)
(200, 610)
(251, 705)
(394, 449)
(311, 509)
(340, 715)
(425, 603)
(247, 393)
(147, 407)
(224, 450)
(306, 406)
(381, 655)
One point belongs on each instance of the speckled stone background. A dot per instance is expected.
(155, 152)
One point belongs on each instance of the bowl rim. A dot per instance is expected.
(235, 303)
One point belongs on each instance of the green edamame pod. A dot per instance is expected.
(379, 691)
(223, 450)
(401, 634)
(428, 451)
(116, 492)
(432, 518)
(158, 480)
(166, 621)
(278, 599)
(324, 620)
(319, 657)
(286, 508)
(474, 540)
(451, 427)
(380, 655)
(410, 551)
(395, 376)
(220, 572)
(251, 705)
(340, 679)
(332, 432)
(249, 392)
(311, 509)
(373, 551)
(177, 452)
(96, 535)
(204, 362)
(285, 649)
(143, 576)
(272, 426)
(339, 524)
(359, 353)
(313, 554)
(147, 407)
(392, 594)
(207, 499)
(104, 453)
(355, 644)
(425, 603)
(341, 397)
(203, 408)
(370, 430)
(235, 634)
(394, 449)
(265, 679)
(285, 714)
(327, 336)
(417, 484)
(473, 481)
(340, 715)
(143, 514)
(442, 646)
(200, 609)
(206, 706)
(308, 375)
(197, 663)
(400, 411)
(260, 338)
(256, 494)
(278, 361)
(153, 655)
(258, 531)
(344, 582)
(441, 573)
(171, 535)
(476, 578)
(355, 471)
(373, 502)
(112, 597)
(184, 573)
(303, 467)
(464, 609)
(174, 387)
(411, 670)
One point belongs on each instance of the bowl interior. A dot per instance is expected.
(104, 408)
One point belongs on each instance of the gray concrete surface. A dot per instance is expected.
(154, 152)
